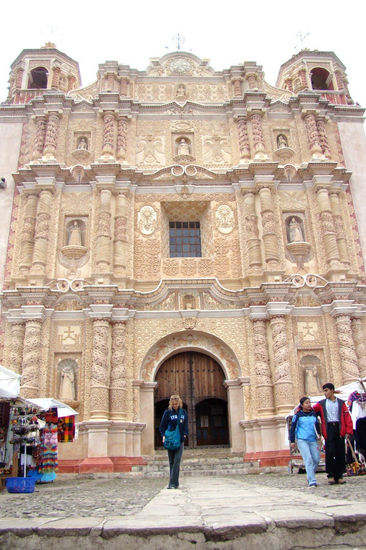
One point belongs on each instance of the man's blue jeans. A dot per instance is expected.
(174, 465)
(311, 456)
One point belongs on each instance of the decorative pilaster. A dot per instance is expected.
(120, 235)
(17, 346)
(339, 228)
(236, 84)
(99, 383)
(251, 230)
(109, 134)
(124, 86)
(31, 358)
(283, 387)
(39, 140)
(56, 72)
(42, 230)
(122, 138)
(244, 146)
(27, 234)
(258, 137)
(323, 139)
(328, 229)
(264, 386)
(347, 352)
(270, 240)
(103, 236)
(359, 341)
(313, 136)
(50, 145)
(118, 385)
(252, 79)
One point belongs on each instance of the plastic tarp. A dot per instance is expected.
(9, 383)
(46, 403)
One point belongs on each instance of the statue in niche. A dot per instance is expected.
(295, 234)
(83, 143)
(183, 147)
(67, 383)
(311, 381)
(181, 92)
(189, 302)
(281, 141)
(74, 233)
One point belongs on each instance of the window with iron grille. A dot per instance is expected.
(185, 239)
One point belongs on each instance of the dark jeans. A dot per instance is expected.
(174, 465)
(335, 455)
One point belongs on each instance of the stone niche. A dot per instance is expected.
(297, 247)
(74, 237)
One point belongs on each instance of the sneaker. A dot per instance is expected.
(313, 485)
(331, 481)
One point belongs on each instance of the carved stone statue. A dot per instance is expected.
(181, 92)
(74, 234)
(295, 232)
(183, 147)
(311, 380)
(67, 383)
(83, 143)
(281, 141)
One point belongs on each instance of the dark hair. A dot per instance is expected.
(303, 399)
(328, 386)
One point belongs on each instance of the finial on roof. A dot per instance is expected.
(49, 45)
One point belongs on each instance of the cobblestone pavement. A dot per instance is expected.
(123, 496)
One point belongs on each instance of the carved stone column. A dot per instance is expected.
(31, 358)
(258, 137)
(51, 136)
(118, 383)
(270, 240)
(339, 228)
(17, 347)
(313, 136)
(39, 140)
(120, 235)
(347, 351)
(99, 383)
(124, 86)
(103, 236)
(122, 138)
(323, 139)
(27, 234)
(42, 230)
(109, 134)
(251, 231)
(283, 386)
(328, 229)
(244, 146)
(264, 385)
(56, 72)
(360, 346)
(236, 84)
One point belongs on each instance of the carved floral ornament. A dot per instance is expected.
(309, 280)
(147, 220)
(224, 219)
(65, 285)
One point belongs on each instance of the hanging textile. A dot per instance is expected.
(66, 429)
(48, 453)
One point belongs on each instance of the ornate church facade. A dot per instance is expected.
(181, 229)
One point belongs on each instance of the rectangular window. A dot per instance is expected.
(185, 239)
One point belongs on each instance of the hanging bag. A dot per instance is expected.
(172, 437)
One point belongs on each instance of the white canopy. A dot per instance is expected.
(343, 392)
(46, 403)
(9, 383)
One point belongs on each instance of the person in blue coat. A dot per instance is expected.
(306, 430)
(169, 422)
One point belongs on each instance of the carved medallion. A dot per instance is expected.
(147, 220)
(224, 219)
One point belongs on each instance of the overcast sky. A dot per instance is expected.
(227, 32)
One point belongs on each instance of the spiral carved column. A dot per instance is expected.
(244, 146)
(122, 138)
(251, 230)
(39, 140)
(313, 136)
(17, 347)
(258, 137)
(347, 351)
(31, 359)
(339, 228)
(103, 236)
(99, 383)
(27, 234)
(42, 230)
(283, 387)
(270, 240)
(118, 383)
(51, 136)
(327, 223)
(359, 340)
(323, 139)
(264, 386)
(120, 235)
(109, 134)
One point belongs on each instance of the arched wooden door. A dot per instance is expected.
(199, 381)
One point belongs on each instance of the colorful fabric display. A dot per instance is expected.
(66, 429)
(51, 416)
(48, 454)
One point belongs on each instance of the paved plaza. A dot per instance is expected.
(271, 510)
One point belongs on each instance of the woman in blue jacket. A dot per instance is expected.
(169, 422)
(306, 430)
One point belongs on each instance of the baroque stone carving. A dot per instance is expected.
(118, 385)
(216, 150)
(224, 219)
(147, 220)
(149, 150)
(282, 371)
(31, 359)
(349, 364)
(99, 382)
(264, 386)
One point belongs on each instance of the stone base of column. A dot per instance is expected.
(95, 464)
(265, 437)
(113, 464)
(269, 458)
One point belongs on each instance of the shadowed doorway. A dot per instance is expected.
(199, 381)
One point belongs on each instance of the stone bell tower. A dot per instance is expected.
(318, 71)
(37, 70)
